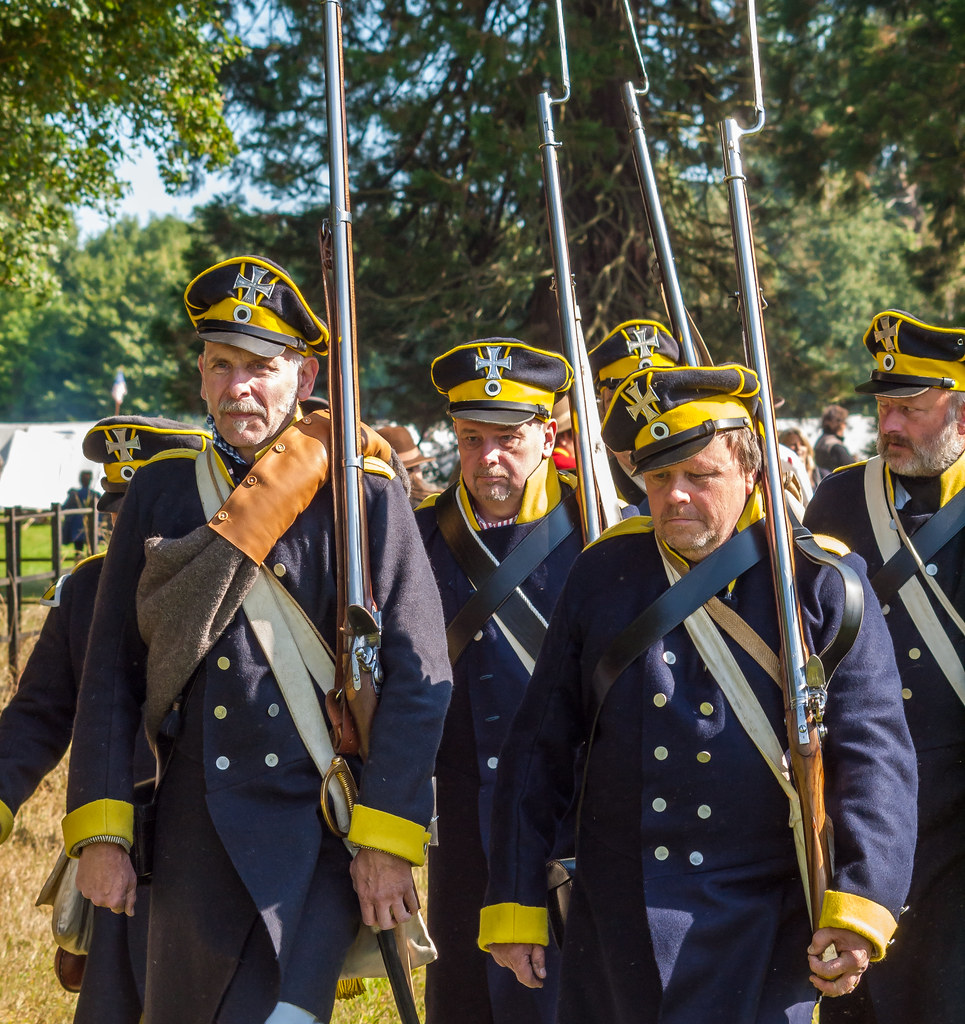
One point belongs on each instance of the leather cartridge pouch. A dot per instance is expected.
(282, 484)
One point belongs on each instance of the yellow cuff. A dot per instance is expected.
(866, 918)
(99, 818)
(6, 821)
(380, 830)
(511, 922)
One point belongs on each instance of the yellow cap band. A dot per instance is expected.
(915, 366)
(509, 391)
(691, 414)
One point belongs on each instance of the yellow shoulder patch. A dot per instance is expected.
(428, 501)
(51, 598)
(373, 464)
(850, 465)
(635, 524)
(175, 453)
(831, 544)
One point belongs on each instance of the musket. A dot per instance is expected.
(358, 672)
(669, 279)
(804, 682)
(599, 504)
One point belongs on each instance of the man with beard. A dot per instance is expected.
(217, 601)
(509, 507)
(903, 512)
(687, 903)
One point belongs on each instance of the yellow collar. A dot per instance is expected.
(541, 495)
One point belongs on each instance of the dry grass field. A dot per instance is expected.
(29, 992)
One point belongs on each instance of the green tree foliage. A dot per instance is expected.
(870, 93)
(450, 226)
(81, 81)
(116, 298)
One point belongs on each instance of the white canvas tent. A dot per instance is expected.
(41, 462)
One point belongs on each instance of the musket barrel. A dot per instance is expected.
(677, 312)
(573, 347)
(343, 336)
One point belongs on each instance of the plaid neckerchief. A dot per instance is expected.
(234, 461)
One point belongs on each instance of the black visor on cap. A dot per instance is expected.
(896, 385)
(506, 413)
(683, 446)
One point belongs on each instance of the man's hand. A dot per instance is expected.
(841, 974)
(526, 961)
(385, 888)
(106, 877)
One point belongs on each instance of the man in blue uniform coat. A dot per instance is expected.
(884, 510)
(688, 903)
(501, 394)
(252, 902)
(36, 726)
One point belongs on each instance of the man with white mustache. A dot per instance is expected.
(902, 512)
(501, 395)
(254, 901)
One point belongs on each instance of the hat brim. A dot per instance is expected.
(110, 501)
(248, 342)
(671, 456)
(504, 417)
(890, 389)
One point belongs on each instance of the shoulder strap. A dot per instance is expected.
(675, 604)
(496, 583)
(931, 537)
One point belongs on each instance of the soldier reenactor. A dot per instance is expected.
(36, 726)
(501, 540)
(903, 513)
(687, 902)
(214, 567)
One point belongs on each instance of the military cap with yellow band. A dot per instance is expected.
(670, 414)
(633, 345)
(913, 356)
(251, 302)
(500, 380)
(124, 443)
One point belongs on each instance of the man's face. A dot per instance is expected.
(920, 436)
(696, 504)
(252, 398)
(497, 461)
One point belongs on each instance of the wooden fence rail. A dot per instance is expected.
(18, 588)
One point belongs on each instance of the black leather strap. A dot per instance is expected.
(928, 539)
(496, 583)
(707, 577)
(853, 611)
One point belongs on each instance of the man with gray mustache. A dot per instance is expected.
(904, 513)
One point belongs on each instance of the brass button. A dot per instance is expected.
(279, 570)
(279, 447)
(220, 711)
(222, 515)
(914, 654)
(660, 753)
(271, 760)
(272, 710)
(669, 657)
(251, 481)
(704, 756)
(906, 693)
(661, 853)
(222, 763)
(659, 804)
(706, 708)
(696, 858)
(223, 662)
(660, 699)
(703, 811)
